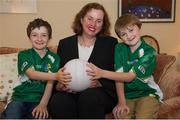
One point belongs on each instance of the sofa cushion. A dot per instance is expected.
(8, 74)
(164, 62)
(170, 83)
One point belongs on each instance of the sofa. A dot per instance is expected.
(165, 74)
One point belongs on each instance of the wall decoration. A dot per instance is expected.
(149, 10)
(18, 6)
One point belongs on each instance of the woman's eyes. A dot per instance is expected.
(98, 20)
(89, 18)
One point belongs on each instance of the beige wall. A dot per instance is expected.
(60, 14)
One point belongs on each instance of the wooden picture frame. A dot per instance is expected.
(149, 10)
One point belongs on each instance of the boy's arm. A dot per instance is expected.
(26, 66)
(41, 110)
(37, 75)
(118, 76)
(121, 108)
(120, 92)
(97, 73)
(62, 77)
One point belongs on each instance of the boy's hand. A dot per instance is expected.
(120, 111)
(40, 112)
(63, 77)
(94, 71)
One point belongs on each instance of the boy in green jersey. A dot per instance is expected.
(138, 94)
(37, 69)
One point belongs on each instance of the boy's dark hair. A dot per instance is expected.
(77, 26)
(37, 23)
(126, 20)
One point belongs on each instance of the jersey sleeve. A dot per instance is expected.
(24, 62)
(146, 64)
(118, 59)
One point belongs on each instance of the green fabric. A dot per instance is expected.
(142, 62)
(30, 90)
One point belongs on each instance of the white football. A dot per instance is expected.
(80, 80)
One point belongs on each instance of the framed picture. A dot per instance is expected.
(149, 10)
(18, 6)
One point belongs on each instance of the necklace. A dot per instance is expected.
(86, 42)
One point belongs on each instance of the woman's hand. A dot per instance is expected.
(120, 111)
(40, 112)
(63, 77)
(62, 87)
(95, 83)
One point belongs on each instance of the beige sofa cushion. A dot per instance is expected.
(8, 74)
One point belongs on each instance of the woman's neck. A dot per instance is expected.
(86, 41)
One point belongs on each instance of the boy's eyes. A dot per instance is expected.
(43, 35)
(129, 30)
(122, 34)
(34, 35)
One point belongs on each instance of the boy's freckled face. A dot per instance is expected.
(39, 38)
(130, 35)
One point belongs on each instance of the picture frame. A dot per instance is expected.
(18, 6)
(149, 11)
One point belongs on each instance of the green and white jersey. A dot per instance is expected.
(142, 62)
(29, 90)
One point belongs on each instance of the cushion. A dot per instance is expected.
(164, 62)
(9, 50)
(170, 109)
(8, 74)
(2, 106)
(170, 84)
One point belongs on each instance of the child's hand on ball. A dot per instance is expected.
(94, 71)
(63, 77)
